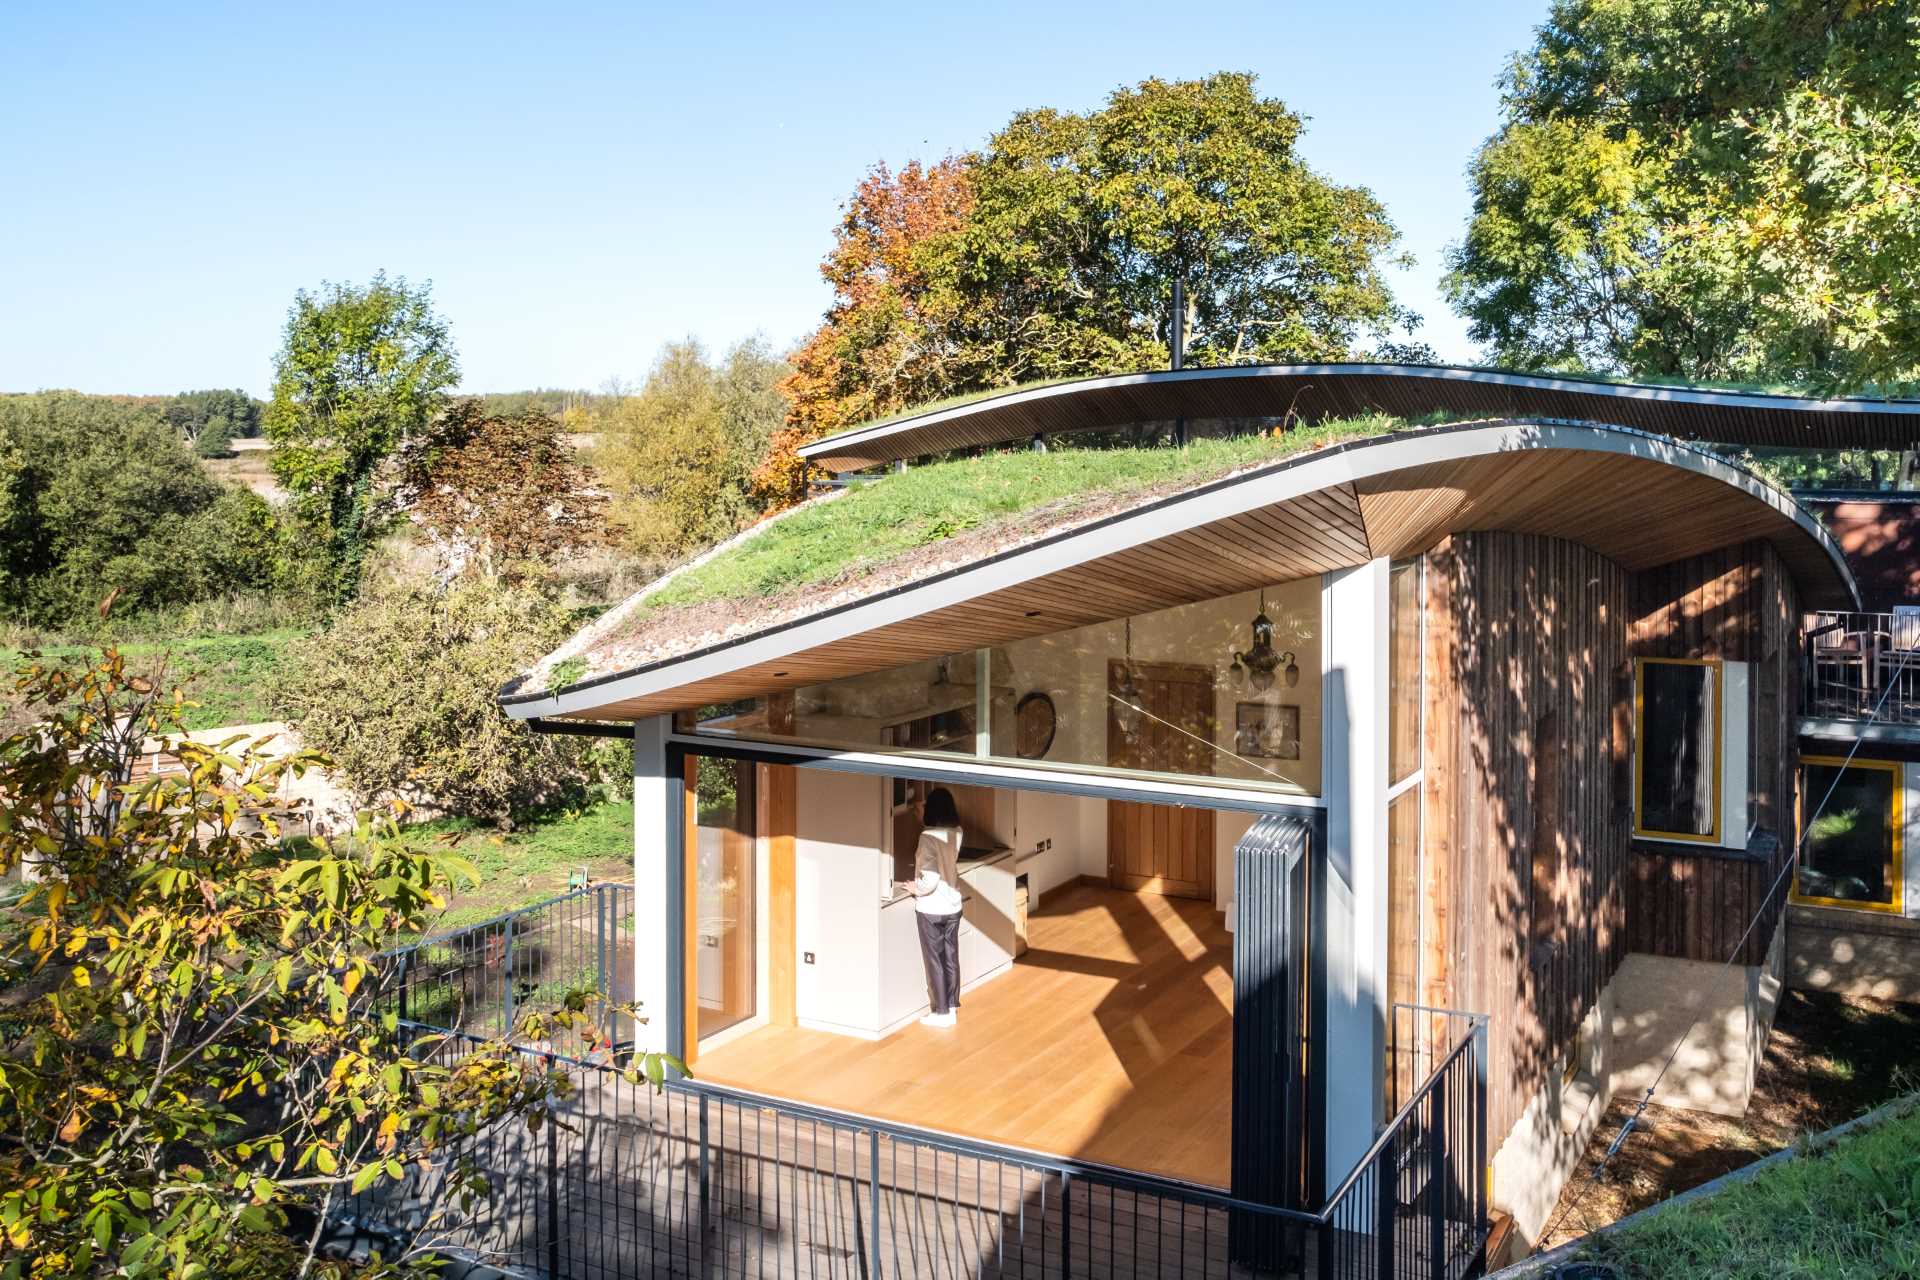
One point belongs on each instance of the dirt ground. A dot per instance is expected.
(1829, 1059)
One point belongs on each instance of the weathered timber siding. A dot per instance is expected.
(1525, 634)
(1738, 605)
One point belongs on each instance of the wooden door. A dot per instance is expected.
(1158, 848)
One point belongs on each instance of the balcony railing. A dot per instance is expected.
(1863, 666)
(481, 978)
(695, 1179)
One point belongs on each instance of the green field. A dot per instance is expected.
(1852, 1210)
(229, 677)
(536, 861)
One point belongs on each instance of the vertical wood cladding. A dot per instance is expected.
(1526, 637)
(1739, 605)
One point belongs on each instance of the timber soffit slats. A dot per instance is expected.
(1639, 500)
(1318, 391)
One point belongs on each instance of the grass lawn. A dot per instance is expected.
(923, 505)
(230, 676)
(1852, 1210)
(535, 862)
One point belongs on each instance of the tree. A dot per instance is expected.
(215, 440)
(360, 372)
(192, 412)
(1053, 253)
(1707, 191)
(1086, 221)
(679, 454)
(196, 1066)
(98, 496)
(400, 693)
(498, 492)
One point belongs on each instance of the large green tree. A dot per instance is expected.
(98, 495)
(361, 371)
(1716, 189)
(1053, 253)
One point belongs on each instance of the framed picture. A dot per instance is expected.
(1264, 730)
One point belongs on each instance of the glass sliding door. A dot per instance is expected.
(725, 944)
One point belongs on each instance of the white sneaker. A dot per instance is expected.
(939, 1019)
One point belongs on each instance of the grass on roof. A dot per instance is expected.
(900, 512)
(1852, 1210)
(1870, 392)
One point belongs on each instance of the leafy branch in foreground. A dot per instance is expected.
(198, 1061)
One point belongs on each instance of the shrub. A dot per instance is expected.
(215, 440)
(400, 692)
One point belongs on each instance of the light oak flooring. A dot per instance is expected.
(1110, 1041)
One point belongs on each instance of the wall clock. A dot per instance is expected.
(1034, 722)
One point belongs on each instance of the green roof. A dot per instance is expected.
(891, 515)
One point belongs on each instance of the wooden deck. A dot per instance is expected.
(1110, 1041)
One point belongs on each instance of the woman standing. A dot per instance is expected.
(936, 890)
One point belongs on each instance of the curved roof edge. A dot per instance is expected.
(1316, 391)
(748, 659)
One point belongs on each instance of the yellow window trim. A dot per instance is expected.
(1641, 831)
(1897, 821)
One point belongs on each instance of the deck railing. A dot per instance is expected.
(479, 979)
(1864, 665)
(695, 1179)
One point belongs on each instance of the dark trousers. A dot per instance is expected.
(940, 950)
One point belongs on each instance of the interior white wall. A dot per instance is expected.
(1355, 698)
(838, 853)
(655, 926)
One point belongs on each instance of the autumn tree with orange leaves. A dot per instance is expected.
(888, 340)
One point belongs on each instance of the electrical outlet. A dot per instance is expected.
(806, 957)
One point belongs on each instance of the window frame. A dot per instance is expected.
(1640, 830)
(1896, 823)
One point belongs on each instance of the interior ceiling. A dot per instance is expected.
(1315, 392)
(1639, 511)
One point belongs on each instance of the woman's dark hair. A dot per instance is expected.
(941, 810)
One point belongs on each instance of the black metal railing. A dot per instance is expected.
(1861, 665)
(481, 978)
(1416, 1204)
(695, 1179)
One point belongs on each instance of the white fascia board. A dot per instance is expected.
(1289, 480)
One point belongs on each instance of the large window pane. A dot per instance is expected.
(725, 953)
(1852, 849)
(1227, 688)
(1677, 752)
(1404, 673)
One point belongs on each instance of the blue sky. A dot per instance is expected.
(582, 182)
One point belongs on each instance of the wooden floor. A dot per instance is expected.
(1111, 1040)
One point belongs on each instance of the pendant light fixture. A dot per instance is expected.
(1258, 665)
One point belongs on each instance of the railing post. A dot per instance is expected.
(506, 982)
(873, 1203)
(553, 1188)
(1323, 1247)
(601, 912)
(1385, 1169)
(1482, 1176)
(705, 1183)
(1437, 1196)
(1066, 1225)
